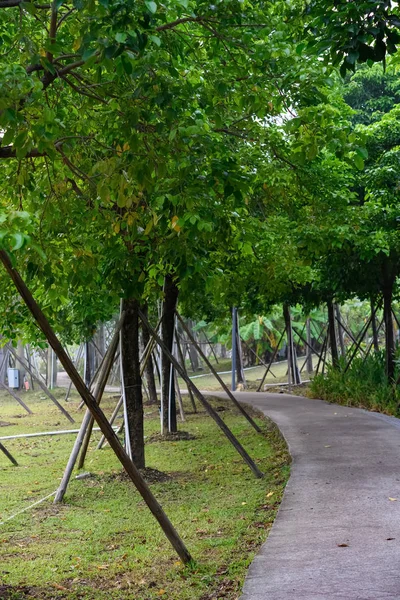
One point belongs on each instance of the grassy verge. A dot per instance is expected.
(364, 385)
(103, 543)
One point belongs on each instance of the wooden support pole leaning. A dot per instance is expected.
(362, 333)
(87, 420)
(359, 340)
(271, 361)
(106, 364)
(214, 415)
(78, 357)
(98, 414)
(322, 357)
(371, 345)
(9, 456)
(143, 360)
(16, 397)
(256, 355)
(218, 378)
(39, 382)
(111, 421)
(305, 342)
(182, 359)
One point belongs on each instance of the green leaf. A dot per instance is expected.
(152, 6)
(120, 37)
(18, 241)
(155, 39)
(359, 162)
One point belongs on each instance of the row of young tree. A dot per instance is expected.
(206, 154)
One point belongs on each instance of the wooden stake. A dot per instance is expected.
(214, 415)
(39, 382)
(182, 359)
(9, 456)
(96, 411)
(17, 398)
(106, 364)
(78, 356)
(111, 421)
(219, 379)
(271, 361)
(256, 355)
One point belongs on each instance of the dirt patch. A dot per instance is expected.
(149, 475)
(179, 436)
(8, 592)
(225, 589)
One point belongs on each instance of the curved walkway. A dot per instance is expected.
(337, 533)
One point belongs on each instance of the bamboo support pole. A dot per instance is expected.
(218, 378)
(271, 361)
(42, 386)
(214, 415)
(101, 419)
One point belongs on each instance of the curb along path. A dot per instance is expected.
(337, 533)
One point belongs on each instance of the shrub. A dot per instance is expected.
(364, 384)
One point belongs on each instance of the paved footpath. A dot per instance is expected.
(337, 533)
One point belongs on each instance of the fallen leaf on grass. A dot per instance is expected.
(102, 567)
(60, 587)
(270, 494)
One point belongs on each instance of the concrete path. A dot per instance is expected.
(337, 534)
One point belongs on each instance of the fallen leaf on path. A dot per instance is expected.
(327, 446)
(393, 499)
(343, 545)
(388, 539)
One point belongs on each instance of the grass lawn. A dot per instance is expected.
(103, 543)
(277, 374)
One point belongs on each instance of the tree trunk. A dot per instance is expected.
(149, 368)
(168, 403)
(132, 380)
(374, 327)
(340, 330)
(308, 349)
(389, 333)
(332, 334)
(89, 362)
(51, 369)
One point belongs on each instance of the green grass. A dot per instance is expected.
(103, 543)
